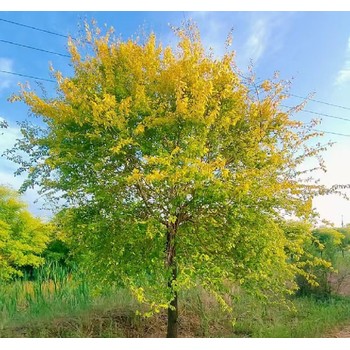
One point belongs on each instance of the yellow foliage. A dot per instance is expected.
(266, 85)
(147, 140)
(22, 237)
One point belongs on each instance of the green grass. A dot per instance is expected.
(59, 304)
(51, 289)
(312, 318)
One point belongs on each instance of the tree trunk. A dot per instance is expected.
(172, 313)
(171, 263)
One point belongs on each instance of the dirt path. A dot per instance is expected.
(342, 287)
(343, 332)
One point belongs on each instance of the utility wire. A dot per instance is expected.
(33, 48)
(318, 101)
(63, 55)
(333, 133)
(317, 113)
(301, 97)
(34, 28)
(322, 131)
(27, 76)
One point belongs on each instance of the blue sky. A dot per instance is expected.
(312, 48)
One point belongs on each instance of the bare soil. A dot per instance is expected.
(111, 323)
(341, 286)
(343, 332)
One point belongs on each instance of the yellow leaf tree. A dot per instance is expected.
(174, 172)
(22, 237)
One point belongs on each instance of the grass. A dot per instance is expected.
(312, 318)
(59, 304)
(52, 291)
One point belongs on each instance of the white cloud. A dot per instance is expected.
(9, 137)
(8, 179)
(7, 169)
(333, 207)
(254, 34)
(7, 66)
(257, 41)
(266, 35)
(30, 197)
(7, 140)
(213, 29)
(343, 75)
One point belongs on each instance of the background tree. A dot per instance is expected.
(345, 242)
(174, 172)
(317, 252)
(22, 236)
(331, 242)
(58, 250)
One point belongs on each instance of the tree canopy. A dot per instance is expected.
(175, 171)
(22, 237)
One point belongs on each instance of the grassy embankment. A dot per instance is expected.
(57, 305)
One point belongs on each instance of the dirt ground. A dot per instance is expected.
(341, 285)
(339, 333)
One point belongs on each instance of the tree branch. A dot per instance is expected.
(148, 207)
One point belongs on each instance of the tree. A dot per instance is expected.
(174, 172)
(331, 241)
(58, 250)
(345, 243)
(22, 237)
(316, 249)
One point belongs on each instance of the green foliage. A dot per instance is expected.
(313, 268)
(57, 251)
(331, 242)
(35, 309)
(52, 292)
(345, 243)
(173, 171)
(311, 318)
(22, 237)
(325, 243)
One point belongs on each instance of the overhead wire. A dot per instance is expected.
(33, 48)
(331, 132)
(66, 36)
(34, 28)
(318, 113)
(67, 56)
(53, 81)
(319, 101)
(27, 76)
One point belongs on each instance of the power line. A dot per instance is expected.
(27, 76)
(302, 97)
(63, 55)
(324, 115)
(317, 113)
(322, 131)
(331, 132)
(33, 48)
(34, 28)
(318, 101)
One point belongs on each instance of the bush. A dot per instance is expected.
(327, 244)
